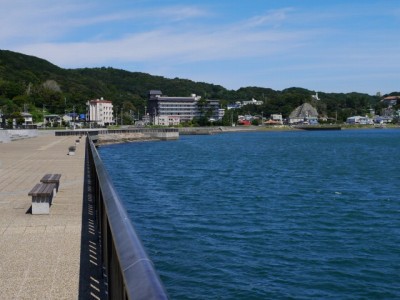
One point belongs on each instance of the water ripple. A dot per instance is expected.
(267, 215)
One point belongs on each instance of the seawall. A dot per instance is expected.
(105, 137)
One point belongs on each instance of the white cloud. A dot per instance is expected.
(274, 18)
(292, 40)
(168, 44)
(163, 42)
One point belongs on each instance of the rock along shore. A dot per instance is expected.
(119, 138)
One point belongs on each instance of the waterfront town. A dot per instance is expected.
(162, 110)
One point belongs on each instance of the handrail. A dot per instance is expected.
(113, 131)
(130, 273)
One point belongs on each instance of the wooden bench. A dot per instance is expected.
(52, 178)
(42, 196)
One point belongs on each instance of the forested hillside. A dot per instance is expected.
(35, 85)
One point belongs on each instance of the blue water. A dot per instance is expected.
(267, 215)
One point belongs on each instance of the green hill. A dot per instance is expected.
(36, 85)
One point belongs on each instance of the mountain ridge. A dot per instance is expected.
(23, 78)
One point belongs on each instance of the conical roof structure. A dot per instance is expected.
(306, 110)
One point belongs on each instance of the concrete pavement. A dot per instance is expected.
(46, 256)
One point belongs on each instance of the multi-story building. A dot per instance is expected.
(100, 111)
(184, 108)
(166, 120)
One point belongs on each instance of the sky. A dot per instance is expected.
(328, 46)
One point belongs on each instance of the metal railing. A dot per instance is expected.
(130, 273)
(113, 131)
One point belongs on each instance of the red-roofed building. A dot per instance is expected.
(391, 100)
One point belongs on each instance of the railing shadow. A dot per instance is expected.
(91, 280)
(114, 264)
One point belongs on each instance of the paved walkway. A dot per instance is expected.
(40, 255)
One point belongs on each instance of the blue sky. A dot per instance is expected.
(321, 45)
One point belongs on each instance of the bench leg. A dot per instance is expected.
(40, 205)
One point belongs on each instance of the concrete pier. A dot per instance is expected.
(41, 256)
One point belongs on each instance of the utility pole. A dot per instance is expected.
(262, 117)
(73, 115)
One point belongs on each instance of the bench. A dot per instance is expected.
(42, 196)
(52, 178)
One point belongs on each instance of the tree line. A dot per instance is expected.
(35, 85)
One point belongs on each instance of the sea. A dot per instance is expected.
(267, 215)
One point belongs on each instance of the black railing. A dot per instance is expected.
(130, 273)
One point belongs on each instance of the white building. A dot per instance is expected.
(359, 120)
(315, 97)
(167, 120)
(253, 101)
(27, 118)
(185, 108)
(100, 111)
(277, 118)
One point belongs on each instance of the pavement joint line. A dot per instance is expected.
(26, 274)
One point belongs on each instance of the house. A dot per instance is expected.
(382, 120)
(27, 118)
(100, 111)
(277, 118)
(359, 120)
(239, 104)
(244, 122)
(235, 105)
(252, 101)
(52, 120)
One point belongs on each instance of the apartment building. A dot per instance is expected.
(100, 111)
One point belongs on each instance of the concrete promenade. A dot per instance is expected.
(40, 255)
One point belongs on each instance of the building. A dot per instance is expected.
(252, 101)
(304, 114)
(16, 120)
(221, 113)
(315, 97)
(359, 120)
(239, 104)
(277, 119)
(100, 111)
(52, 120)
(167, 120)
(184, 108)
(390, 100)
(235, 105)
(28, 120)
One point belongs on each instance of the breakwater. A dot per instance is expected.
(217, 130)
(110, 136)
